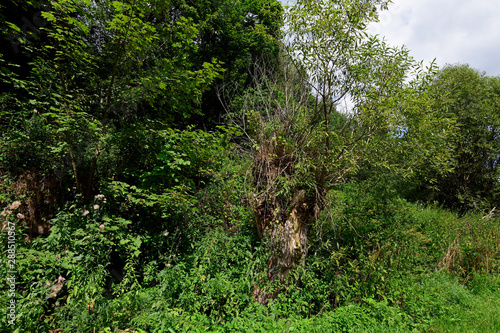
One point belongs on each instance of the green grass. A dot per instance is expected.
(477, 308)
(434, 302)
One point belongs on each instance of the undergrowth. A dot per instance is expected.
(377, 263)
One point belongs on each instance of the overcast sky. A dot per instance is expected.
(452, 31)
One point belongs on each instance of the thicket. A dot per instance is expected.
(172, 166)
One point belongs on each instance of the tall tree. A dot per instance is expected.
(236, 33)
(105, 63)
(474, 101)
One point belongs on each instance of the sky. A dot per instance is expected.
(450, 31)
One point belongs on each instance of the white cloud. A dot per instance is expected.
(452, 31)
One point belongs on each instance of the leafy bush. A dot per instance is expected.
(370, 236)
(62, 278)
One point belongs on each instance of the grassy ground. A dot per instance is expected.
(435, 303)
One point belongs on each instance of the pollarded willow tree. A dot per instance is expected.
(339, 98)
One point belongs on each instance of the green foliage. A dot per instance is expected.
(78, 250)
(217, 279)
(31, 145)
(236, 33)
(84, 88)
(473, 99)
(152, 226)
(225, 201)
(433, 302)
(301, 136)
(187, 155)
(388, 120)
(370, 270)
(369, 237)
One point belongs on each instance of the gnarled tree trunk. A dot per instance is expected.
(284, 223)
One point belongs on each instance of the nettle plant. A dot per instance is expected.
(68, 271)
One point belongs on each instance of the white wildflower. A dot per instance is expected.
(96, 207)
(85, 213)
(6, 212)
(15, 205)
(20, 216)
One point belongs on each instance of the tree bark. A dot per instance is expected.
(286, 226)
